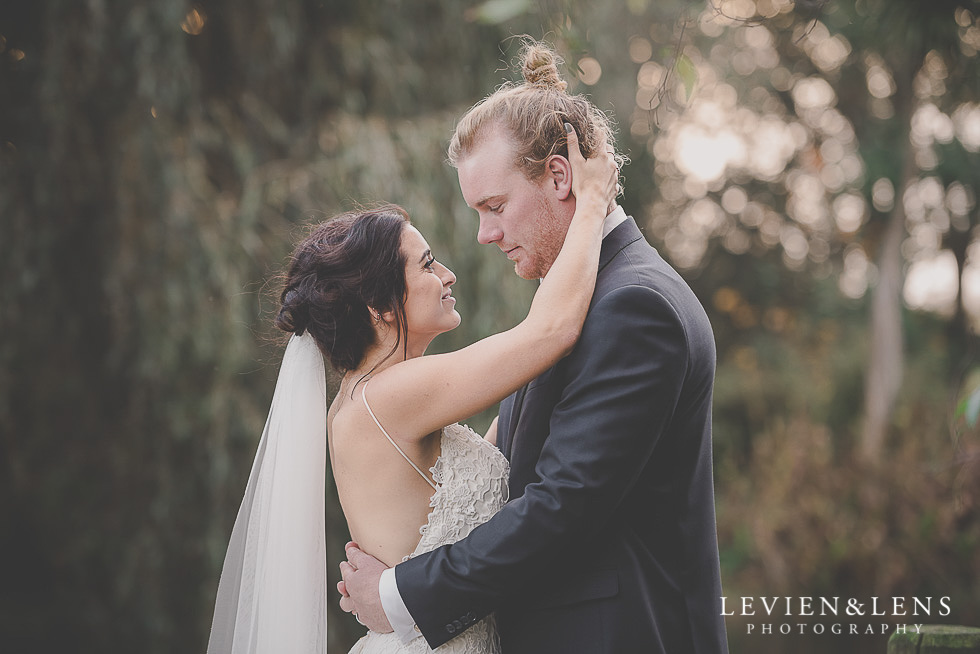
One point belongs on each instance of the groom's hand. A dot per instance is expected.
(359, 589)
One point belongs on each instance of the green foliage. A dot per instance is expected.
(802, 515)
(968, 407)
(153, 183)
(688, 74)
(495, 12)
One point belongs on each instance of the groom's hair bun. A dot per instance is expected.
(533, 114)
(343, 269)
(539, 64)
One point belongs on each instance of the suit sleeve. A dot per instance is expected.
(623, 382)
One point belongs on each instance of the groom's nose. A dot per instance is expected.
(490, 231)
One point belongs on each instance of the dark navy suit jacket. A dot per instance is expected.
(608, 544)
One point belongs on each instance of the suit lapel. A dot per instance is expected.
(513, 404)
(510, 409)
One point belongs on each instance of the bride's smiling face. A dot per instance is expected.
(430, 308)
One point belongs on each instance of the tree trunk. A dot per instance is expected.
(959, 332)
(886, 356)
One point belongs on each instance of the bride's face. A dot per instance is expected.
(430, 308)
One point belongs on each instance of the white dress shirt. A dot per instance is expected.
(391, 600)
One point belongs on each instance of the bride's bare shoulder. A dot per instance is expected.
(346, 419)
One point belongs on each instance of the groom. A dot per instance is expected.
(608, 543)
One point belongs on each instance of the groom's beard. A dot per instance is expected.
(543, 243)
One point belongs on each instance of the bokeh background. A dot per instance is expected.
(811, 168)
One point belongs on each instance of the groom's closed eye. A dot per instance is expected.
(491, 202)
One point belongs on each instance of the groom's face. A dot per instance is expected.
(522, 217)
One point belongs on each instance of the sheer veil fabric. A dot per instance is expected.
(273, 588)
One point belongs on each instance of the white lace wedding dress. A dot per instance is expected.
(470, 478)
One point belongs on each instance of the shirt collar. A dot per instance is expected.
(613, 220)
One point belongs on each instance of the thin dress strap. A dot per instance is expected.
(412, 463)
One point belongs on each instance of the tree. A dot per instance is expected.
(811, 130)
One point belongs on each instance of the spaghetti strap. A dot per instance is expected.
(390, 440)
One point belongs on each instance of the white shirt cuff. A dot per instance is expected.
(394, 607)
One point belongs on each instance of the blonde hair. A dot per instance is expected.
(534, 113)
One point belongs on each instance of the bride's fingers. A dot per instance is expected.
(342, 588)
(347, 604)
(599, 173)
(574, 152)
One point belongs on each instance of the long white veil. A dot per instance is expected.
(273, 587)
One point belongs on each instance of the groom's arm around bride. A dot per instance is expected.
(608, 543)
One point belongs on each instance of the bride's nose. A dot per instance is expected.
(448, 277)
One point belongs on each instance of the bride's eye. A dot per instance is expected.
(428, 263)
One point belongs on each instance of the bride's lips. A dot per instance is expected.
(449, 296)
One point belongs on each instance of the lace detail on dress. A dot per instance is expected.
(472, 478)
(471, 475)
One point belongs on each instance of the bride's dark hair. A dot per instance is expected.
(346, 265)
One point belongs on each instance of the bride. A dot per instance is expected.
(365, 291)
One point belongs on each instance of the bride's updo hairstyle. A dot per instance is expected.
(534, 112)
(346, 265)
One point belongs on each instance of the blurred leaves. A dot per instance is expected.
(158, 182)
(495, 12)
(968, 408)
(688, 74)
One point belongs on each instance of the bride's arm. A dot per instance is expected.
(425, 393)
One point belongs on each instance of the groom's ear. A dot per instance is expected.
(560, 175)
